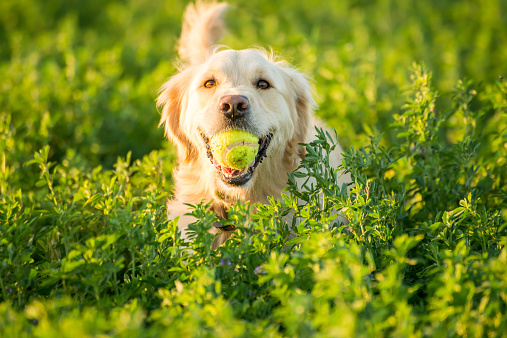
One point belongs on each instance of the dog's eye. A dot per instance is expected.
(263, 84)
(209, 84)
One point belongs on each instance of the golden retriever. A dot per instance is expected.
(222, 89)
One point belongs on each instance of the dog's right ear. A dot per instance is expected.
(173, 99)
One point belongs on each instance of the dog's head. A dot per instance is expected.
(246, 90)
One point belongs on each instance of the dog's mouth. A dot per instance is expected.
(239, 176)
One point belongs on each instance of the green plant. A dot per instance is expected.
(85, 244)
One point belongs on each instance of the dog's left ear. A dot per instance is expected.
(173, 99)
(304, 105)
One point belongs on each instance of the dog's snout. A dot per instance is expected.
(234, 106)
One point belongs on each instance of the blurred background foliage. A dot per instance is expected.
(84, 75)
(85, 246)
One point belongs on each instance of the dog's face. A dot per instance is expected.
(243, 90)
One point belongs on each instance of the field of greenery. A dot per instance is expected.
(415, 90)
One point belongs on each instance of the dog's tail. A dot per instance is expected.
(202, 27)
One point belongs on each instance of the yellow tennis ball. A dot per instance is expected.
(234, 149)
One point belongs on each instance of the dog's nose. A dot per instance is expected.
(234, 106)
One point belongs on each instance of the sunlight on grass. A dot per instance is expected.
(416, 93)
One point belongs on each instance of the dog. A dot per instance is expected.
(221, 89)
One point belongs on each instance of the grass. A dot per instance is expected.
(85, 246)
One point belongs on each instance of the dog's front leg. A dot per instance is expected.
(179, 209)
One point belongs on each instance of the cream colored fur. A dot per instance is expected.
(189, 109)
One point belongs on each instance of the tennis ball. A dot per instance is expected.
(234, 149)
